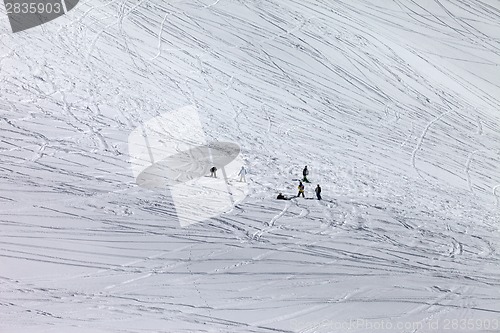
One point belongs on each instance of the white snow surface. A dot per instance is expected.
(393, 105)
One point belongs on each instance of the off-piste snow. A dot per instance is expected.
(394, 106)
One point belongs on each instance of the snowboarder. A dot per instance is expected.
(318, 192)
(301, 190)
(213, 171)
(242, 174)
(305, 172)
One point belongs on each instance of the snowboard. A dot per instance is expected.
(297, 179)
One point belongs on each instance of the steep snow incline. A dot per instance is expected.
(392, 104)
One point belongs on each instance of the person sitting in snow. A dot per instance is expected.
(281, 196)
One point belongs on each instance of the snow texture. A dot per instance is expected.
(393, 105)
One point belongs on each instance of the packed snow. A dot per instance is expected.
(393, 105)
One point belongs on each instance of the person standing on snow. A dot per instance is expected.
(301, 190)
(318, 192)
(305, 172)
(213, 171)
(242, 174)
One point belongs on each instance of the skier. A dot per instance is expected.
(305, 172)
(318, 192)
(301, 190)
(213, 171)
(242, 174)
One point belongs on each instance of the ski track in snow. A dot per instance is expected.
(374, 96)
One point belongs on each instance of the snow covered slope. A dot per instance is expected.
(394, 106)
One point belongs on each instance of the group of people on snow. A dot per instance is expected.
(301, 187)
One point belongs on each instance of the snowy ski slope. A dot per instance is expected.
(393, 105)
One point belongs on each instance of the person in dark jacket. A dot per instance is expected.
(281, 196)
(318, 192)
(213, 172)
(305, 172)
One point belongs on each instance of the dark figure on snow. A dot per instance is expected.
(281, 196)
(318, 192)
(213, 171)
(305, 172)
(301, 190)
